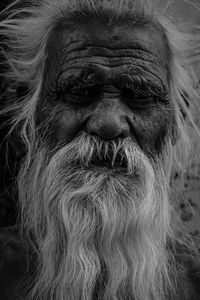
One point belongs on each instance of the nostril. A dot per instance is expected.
(123, 134)
(109, 131)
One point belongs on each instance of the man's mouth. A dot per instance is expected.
(112, 164)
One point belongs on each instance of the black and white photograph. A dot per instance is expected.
(99, 149)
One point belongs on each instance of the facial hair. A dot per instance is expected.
(99, 233)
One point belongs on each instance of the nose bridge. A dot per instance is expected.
(109, 110)
(108, 120)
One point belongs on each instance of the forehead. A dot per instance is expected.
(139, 50)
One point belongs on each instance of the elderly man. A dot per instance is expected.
(103, 120)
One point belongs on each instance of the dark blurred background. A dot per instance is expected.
(4, 3)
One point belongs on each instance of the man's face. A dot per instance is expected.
(109, 82)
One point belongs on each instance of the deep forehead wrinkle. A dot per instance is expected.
(135, 63)
(139, 49)
(148, 37)
(133, 53)
(134, 49)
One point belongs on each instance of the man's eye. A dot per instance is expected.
(82, 95)
(138, 99)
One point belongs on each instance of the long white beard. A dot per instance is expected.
(98, 234)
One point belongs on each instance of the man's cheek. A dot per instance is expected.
(151, 130)
(68, 124)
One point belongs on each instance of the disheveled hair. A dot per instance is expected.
(27, 25)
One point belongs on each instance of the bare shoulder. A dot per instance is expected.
(13, 263)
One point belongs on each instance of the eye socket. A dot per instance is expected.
(82, 95)
(138, 99)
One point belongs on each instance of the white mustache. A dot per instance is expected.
(86, 150)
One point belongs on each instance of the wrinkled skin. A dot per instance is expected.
(100, 82)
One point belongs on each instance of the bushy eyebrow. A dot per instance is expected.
(120, 80)
(141, 84)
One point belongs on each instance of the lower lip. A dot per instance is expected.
(106, 167)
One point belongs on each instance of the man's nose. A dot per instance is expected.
(108, 121)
